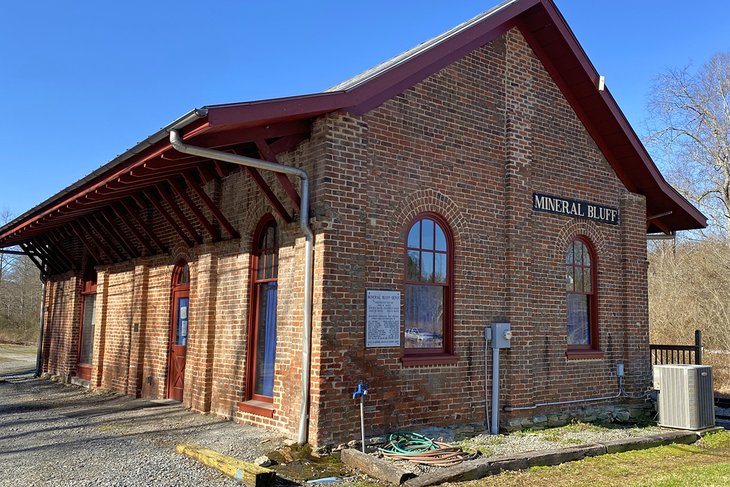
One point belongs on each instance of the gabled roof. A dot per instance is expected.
(539, 21)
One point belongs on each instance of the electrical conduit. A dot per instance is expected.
(621, 393)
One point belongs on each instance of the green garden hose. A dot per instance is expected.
(420, 449)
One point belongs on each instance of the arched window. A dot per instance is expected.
(181, 275)
(429, 287)
(580, 284)
(262, 325)
(88, 320)
(181, 302)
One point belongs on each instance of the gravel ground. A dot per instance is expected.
(547, 439)
(562, 437)
(51, 434)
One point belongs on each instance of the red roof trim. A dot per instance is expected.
(394, 80)
(275, 110)
(551, 39)
(636, 169)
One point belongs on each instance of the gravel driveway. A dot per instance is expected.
(52, 434)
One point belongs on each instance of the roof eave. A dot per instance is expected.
(181, 122)
(383, 84)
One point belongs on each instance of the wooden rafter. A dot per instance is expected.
(660, 225)
(183, 194)
(229, 138)
(269, 194)
(145, 228)
(109, 237)
(217, 213)
(46, 240)
(205, 175)
(170, 200)
(90, 249)
(56, 261)
(52, 264)
(220, 170)
(137, 234)
(57, 242)
(269, 155)
(121, 239)
(109, 218)
(158, 206)
(101, 242)
(32, 257)
(288, 143)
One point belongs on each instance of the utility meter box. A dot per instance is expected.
(501, 335)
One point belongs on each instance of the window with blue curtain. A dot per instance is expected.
(262, 357)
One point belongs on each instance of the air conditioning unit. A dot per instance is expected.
(686, 398)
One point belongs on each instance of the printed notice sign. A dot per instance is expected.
(382, 319)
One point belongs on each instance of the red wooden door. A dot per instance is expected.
(178, 337)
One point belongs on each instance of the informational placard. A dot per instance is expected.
(382, 319)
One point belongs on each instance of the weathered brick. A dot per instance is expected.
(472, 143)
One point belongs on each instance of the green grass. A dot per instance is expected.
(15, 348)
(475, 447)
(10, 352)
(482, 445)
(715, 440)
(706, 463)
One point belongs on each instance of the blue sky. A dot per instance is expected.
(83, 81)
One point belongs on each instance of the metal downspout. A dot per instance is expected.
(39, 353)
(177, 143)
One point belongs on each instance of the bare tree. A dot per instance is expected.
(691, 119)
(689, 290)
(20, 295)
(6, 261)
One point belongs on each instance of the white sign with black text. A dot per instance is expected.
(382, 319)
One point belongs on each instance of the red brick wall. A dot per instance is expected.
(471, 143)
(133, 310)
(61, 317)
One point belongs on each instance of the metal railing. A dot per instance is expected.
(678, 354)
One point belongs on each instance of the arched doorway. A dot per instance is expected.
(179, 312)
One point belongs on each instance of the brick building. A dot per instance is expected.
(480, 177)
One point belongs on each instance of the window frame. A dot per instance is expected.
(252, 402)
(431, 356)
(592, 349)
(88, 288)
(179, 289)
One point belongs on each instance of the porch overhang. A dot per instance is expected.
(101, 211)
